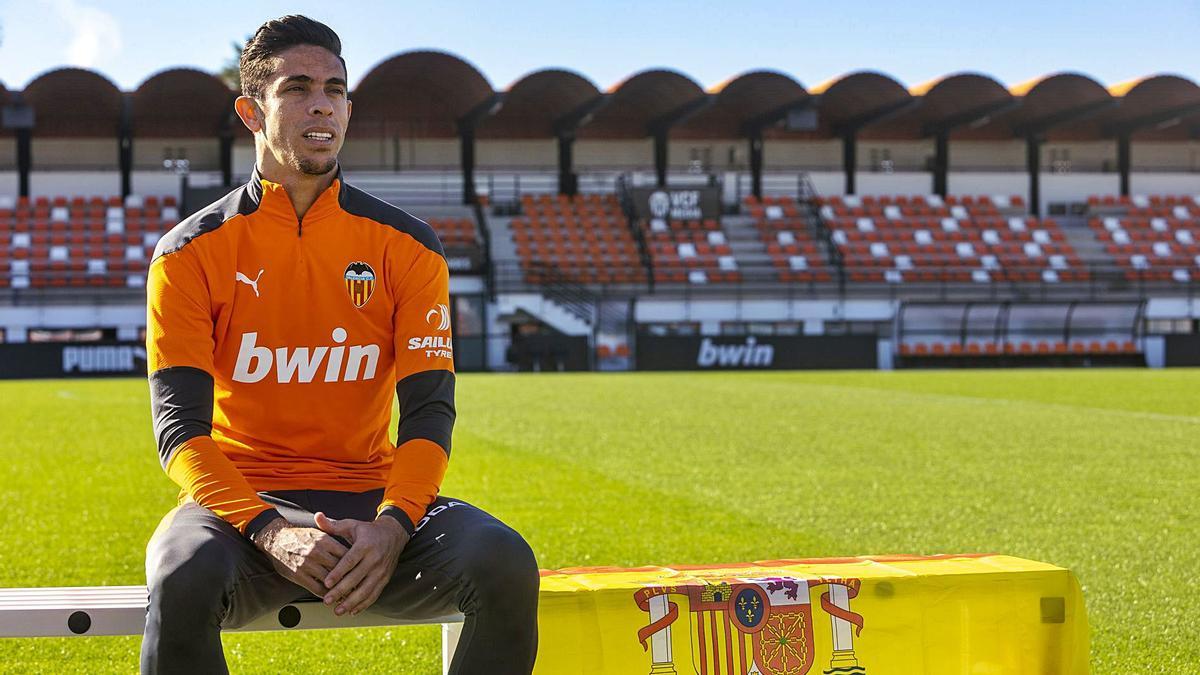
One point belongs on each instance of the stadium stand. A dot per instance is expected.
(584, 239)
(921, 238)
(789, 239)
(691, 251)
(456, 232)
(1151, 238)
(107, 242)
(81, 241)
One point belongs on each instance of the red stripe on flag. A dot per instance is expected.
(703, 651)
(742, 652)
(717, 644)
(728, 644)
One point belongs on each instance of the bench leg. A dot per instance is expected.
(450, 633)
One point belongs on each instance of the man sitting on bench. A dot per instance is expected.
(280, 320)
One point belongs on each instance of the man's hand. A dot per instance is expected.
(359, 577)
(303, 555)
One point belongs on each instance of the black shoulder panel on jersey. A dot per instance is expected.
(207, 219)
(359, 203)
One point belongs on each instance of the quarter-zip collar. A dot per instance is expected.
(272, 201)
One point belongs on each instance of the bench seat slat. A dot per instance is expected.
(121, 610)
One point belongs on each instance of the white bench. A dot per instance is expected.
(121, 610)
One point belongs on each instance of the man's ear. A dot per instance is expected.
(250, 113)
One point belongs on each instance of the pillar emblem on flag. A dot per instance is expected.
(360, 282)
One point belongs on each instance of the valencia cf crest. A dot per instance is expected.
(360, 282)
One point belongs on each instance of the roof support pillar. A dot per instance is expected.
(1033, 164)
(466, 140)
(568, 182)
(660, 157)
(125, 145)
(848, 131)
(756, 165)
(18, 116)
(941, 162)
(24, 160)
(850, 159)
(226, 158)
(1124, 152)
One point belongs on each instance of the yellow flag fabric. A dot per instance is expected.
(980, 614)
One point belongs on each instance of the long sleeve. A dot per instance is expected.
(179, 352)
(424, 388)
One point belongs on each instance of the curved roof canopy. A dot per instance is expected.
(633, 105)
(183, 103)
(534, 103)
(419, 93)
(74, 103)
(750, 99)
(1063, 107)
(1159, 107)
(958, 104)
(849, 101)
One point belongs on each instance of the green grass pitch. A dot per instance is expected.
(1094, 470)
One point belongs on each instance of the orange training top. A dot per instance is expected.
(274, 346)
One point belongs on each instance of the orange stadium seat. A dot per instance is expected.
(961, 239)
(584, 239)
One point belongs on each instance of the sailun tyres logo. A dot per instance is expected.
(438, 317)
(748, 354)
(435, 346)
(341, 363)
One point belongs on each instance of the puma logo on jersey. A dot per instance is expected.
(252, 284)
(301, 364)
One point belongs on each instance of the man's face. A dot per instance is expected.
(304, 110)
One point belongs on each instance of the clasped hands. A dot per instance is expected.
(347, 579)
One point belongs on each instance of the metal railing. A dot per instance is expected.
(1101, 282)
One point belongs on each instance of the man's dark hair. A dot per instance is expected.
(277, 35)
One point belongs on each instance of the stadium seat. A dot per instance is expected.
(583, 239)
(78, 241)
(1153, 238)
(969, 239)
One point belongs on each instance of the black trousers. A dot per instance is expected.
(204, 575)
